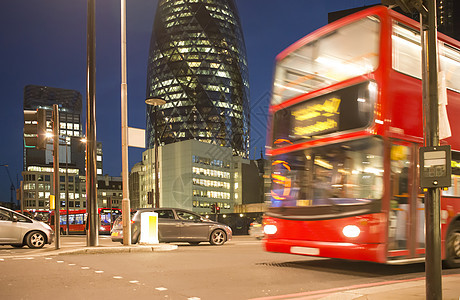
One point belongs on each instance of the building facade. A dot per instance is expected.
(197, 64)
(37, 172)
(135, 185)
(109, 191)
(195, 175)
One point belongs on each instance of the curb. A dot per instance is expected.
(122, 249)
(99, 250)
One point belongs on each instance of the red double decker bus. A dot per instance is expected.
(77, 220)
(345, 129)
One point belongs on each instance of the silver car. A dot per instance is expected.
(176, 225)
(18, 230)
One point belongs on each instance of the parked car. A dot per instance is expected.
(176, 225)
(256, 229)
(18, 230)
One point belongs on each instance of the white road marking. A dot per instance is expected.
(85, 268)
(48, 258)
(1, 259)
(99, 272)
(60, 261)
(194, 298)
(161, 289)
(71, 264)
(22, 258)
(117, 277)
(134, 281)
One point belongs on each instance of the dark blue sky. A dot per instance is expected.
(44, 43)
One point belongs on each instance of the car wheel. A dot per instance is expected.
(453, 247)
(35, 239)
(218, 237)
(194, 243)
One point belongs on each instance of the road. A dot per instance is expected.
(238, 270)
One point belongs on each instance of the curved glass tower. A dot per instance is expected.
(197, 64)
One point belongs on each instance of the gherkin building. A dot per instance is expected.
(197, 64)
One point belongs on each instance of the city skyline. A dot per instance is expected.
(46, 45)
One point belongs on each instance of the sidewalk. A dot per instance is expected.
(410, 289)
(68, 245)
(109, 249)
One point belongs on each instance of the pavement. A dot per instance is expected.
(408, 289)
(70, 246)
(411, 289)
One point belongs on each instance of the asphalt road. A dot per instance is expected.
(240, 269)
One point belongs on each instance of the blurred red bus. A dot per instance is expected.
(345, 129)
(77, 220)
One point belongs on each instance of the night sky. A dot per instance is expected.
(44, 43)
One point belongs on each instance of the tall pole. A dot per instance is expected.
(125, 203)
(57, 219)
(433, 263)
(66, 188)
(157, 185)
(91, 172)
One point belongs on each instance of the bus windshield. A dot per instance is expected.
(347, 52)
(339, 174)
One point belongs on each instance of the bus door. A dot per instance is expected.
(405, 232)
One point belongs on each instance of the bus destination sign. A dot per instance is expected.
(317, 116)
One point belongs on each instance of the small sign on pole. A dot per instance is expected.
(435, 167)
(136, 137)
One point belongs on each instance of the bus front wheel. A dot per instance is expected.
(453, 246)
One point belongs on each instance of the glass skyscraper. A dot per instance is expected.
(197, 64)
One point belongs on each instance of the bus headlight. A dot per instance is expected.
(270, 229)
(351, 231)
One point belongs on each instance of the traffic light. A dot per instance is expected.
(217, 209)
(35, 128)
(213, 208)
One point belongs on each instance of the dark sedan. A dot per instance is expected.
(176, 225)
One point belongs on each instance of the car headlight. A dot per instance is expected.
(46, 226)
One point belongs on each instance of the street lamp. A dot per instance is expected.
(156, 102)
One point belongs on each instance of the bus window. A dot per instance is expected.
(79, 219)
(322, 63)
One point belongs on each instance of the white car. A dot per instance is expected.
(256, 229)
(18, 230)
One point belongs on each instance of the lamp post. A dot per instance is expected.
(91, 172)
(57, 219)
(125, 203)
(156, 102)
(67, 187)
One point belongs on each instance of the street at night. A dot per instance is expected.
(240, 269)
(267, 150)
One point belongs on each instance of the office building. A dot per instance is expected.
(38, 164)
(197, 64)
